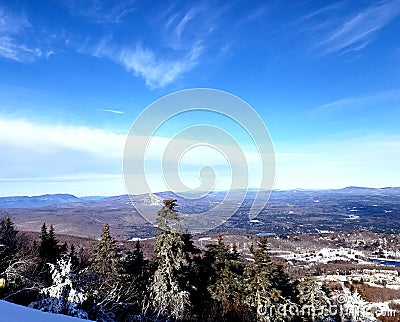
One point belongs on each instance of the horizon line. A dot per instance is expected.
(194, 192)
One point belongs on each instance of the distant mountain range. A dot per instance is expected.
(287, 211)
(156, 199)
(37, 201)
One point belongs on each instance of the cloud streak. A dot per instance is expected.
(110, 111)
(253, 16)
(158, 71)
(13, 34)
(101, 12)
(11, 49)
(360, 29)
(351, 101)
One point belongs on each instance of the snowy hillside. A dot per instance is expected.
(16, 313)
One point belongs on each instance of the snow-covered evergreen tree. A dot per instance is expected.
(353, 307)
(62, 297)
(313, 299)
(169, 290)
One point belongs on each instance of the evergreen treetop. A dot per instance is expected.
(106, 254)
(168, 217)
(49, 250)
(8, 234)
(134, 262)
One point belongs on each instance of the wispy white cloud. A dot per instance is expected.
(182, 35)
(100, 11)
(177, 39)
(171, 20)
(180, 28)
(254, 15)
(157, 70)
(184, 28)
(320, 11)
(13, 43)
(360, 29)
(11, 23)
(111, 111)
(355, 101)
(11, 49)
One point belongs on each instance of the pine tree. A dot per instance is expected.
(8, 234)
(134, 262)
(54, 250)
(49, 250)
(8, 243)
(135, 280)
(168, 218)
(104, 281)
(43, 232)
(264, 283)
(224, 278)
(74, 257)
(313, 299)
(106, 254)
(170, 288)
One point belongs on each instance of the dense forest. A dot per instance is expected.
(178, 283)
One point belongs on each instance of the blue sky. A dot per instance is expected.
(323, 75)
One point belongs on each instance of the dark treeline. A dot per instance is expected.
(179, 283)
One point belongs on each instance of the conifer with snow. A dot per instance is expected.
(170, 287)
(313, 299)
(62, 296)
(354, 307)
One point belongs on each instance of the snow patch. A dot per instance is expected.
(11, 312)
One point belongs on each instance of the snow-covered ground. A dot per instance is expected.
(326, 255)
(139, 239)
(372, 277)
(10, 312)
